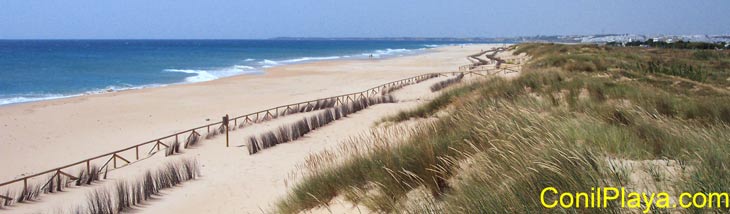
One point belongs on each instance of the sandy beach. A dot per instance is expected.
(43, 135)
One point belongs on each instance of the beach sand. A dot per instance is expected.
(43, 135)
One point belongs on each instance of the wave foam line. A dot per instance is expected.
(208, 75)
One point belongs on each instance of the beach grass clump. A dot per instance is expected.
(296, 130)
(253, 145)
(394, 87)
(381, 99)
(91, 175)
(285, 133)
(122, 195)
(314, 106)
(10, 200)
(29, 193)
(32, 191)
(435, 105)
(303, 109)
(390, 89)
(221, 129)
(126, 194)
(5, 202)
(427, 77)
(193, 139)
(303, 128)
(51, 185)
(100, 201)
(212, 134)
(326, 103)
(56, 183)
(337, 113)
(446, 83)
(174, 148)
(282, 134)
(148, 185)
(314, 122)
(269, 139)
(503, 141)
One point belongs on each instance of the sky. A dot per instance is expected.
(258, 19)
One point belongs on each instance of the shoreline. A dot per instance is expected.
(46, 136)
(257, 71)
(54, 132)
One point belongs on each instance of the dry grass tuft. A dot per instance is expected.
(127, 194)
(446, 83)
(192, 139)
(174, 148)
(298, 129)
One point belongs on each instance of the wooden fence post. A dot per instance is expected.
(225, 123)
(58, 179)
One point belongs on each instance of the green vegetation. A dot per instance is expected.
(433, 106)
(706, 66)
(579, 116)
(678, 44)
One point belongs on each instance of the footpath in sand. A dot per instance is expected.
(233, 181)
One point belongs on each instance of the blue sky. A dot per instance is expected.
(248, 19)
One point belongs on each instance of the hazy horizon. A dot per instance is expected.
(228, 19)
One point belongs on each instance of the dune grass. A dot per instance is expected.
(297, 129)
(127, 194)
(446, 83)
(570, 122)
(430, 108)
(708, 66)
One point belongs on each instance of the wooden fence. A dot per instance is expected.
(115, 159)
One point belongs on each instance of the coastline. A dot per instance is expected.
(64, 130)
(251, 67)
(264, 70)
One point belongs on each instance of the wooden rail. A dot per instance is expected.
(256, 117)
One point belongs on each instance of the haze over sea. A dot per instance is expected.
(32, 70)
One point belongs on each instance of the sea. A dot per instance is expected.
(33, 70)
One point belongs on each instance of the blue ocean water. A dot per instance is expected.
(32, 70)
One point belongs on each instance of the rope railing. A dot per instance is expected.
(251, 118)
